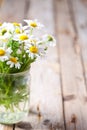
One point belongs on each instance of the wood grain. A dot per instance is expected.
(2, 127)
(80, 11)
(46, 98)
(59, 81)
(73, 81)
(12, 10)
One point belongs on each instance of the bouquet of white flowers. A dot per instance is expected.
(19, 46)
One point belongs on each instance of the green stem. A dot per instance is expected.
(31, 31)
(27, 64)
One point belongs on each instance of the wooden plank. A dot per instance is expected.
(12, 10)
(46, 97)
(2, 127)
(80, 15)
(73, 81)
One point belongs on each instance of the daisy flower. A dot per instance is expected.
(5, 36)
(8, 27)
(13, 62)
(16, 24)
(33, 23)
(5, 53)
(33, 39)
(21, 37)
(4, 39)
(6, 31)
(34, 50)
(49, 39)
(18, 30)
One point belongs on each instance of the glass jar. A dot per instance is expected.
(14, 97)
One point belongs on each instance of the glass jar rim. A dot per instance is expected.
(19, 73)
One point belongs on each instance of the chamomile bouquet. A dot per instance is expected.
(19, 46)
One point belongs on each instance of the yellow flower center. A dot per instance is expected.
(13, 59)
(22, 31)
(33, 41)
(17, 30)
(16, 24)
(3, 31)
(2, 52)
(23, 37)
(0, 24)
(33, 49)
(50, 38)
(33, 24)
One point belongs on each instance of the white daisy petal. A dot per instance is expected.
(49, 39)
(4, 53)
(34, 23)
(13, 62)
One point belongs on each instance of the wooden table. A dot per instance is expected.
(59, 82)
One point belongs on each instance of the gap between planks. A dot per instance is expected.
(55, 18)
(77, 39)
(74, 86)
